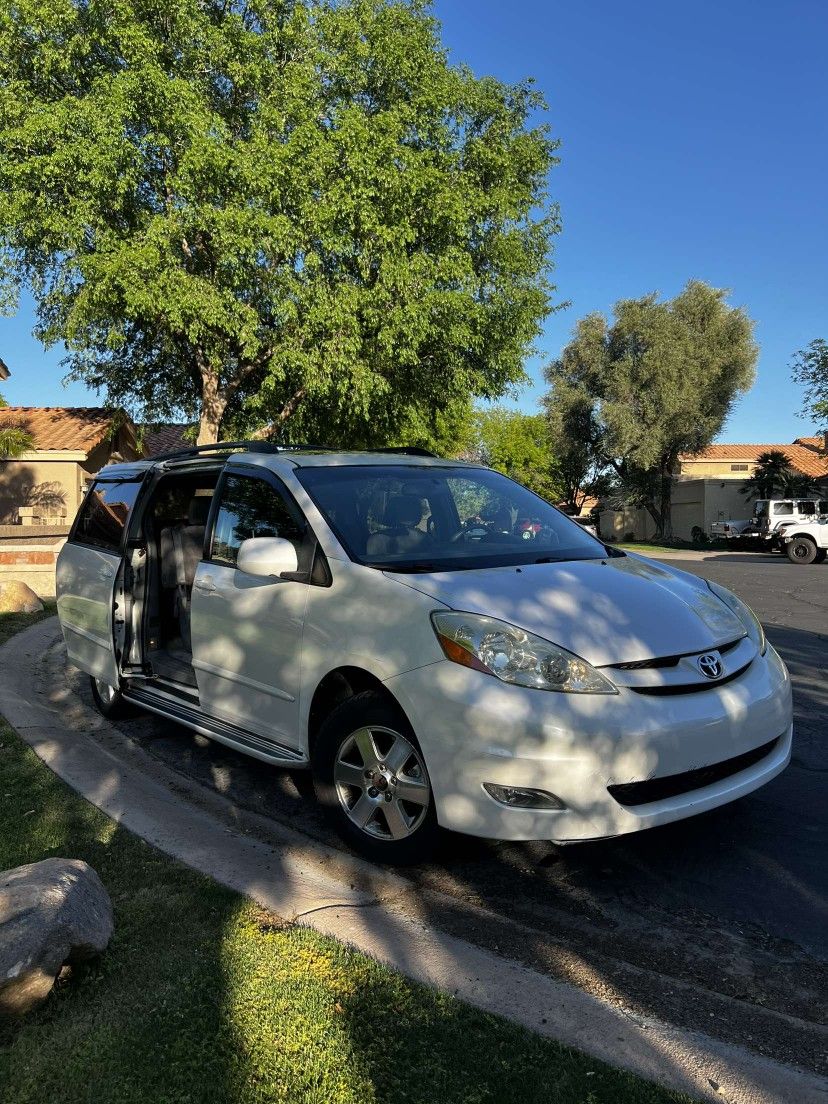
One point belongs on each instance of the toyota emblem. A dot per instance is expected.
(710, 665)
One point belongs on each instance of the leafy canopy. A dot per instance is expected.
(657, 381)
(518, 445)
(271, 210)
(810, 368)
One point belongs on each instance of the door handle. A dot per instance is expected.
(205, 585)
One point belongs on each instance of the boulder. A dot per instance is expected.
(51, 913)
(16, 597)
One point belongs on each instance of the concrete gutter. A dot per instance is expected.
(363, 905)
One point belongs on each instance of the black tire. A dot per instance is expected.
(111, 704)
(802, 550)
(336, 753)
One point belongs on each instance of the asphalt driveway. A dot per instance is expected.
(719, 923)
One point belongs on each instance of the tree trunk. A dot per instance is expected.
(213, 404)
(665, 505)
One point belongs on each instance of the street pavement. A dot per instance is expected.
(718, 923)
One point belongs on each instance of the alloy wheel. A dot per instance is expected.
(381, 783)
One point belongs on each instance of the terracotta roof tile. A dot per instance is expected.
(78, 428)
(808, 458)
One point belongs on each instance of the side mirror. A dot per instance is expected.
(266, 556)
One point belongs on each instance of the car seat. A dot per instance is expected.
(181, 551)
(403, 513)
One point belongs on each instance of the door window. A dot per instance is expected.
(806, 508)
(103, 515)
(783, 508)
(252, 507)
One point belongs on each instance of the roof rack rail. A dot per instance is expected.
(267, 447)
(230, 446)
(407, 450)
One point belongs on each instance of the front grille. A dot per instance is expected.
(657, 789)
(671, 661)
(690, 687)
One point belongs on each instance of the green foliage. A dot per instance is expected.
(810, 368)
(518, 445)
(14, 440)
(575, 441)
(293, 212)
(658, 381)
(774, 477)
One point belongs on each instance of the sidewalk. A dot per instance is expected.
(355, 902)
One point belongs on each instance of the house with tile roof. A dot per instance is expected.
(806, 455)
(707, 487)
(71, 444)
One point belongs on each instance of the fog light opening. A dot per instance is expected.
(519, 797)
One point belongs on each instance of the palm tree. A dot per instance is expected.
(14, 440)
(772, 470)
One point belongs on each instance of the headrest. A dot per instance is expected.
(198, 510)
(404, 509)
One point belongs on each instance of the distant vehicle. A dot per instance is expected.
(729, 530)
(805, 543)
(762, 529)
(586, 524)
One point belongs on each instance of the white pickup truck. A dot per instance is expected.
(805, 543)
(769, 515)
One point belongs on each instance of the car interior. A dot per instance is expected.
(173, 528)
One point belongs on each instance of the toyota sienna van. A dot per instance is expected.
(389, 621)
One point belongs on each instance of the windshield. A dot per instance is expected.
(430, 518)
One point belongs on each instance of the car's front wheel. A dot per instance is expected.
(802, 550)
(109, 699)
(371, 778)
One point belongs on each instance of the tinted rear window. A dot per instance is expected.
(104, 514)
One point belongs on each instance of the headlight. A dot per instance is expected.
(744, 613)
(513, 655)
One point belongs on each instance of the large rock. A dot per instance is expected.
(16, 597)
(51, 913)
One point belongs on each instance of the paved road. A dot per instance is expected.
(717, 921)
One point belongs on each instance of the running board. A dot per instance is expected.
(166, 706)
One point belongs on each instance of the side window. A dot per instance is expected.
(783, 508)
(251, 507)
(806, 508)
(103, 515)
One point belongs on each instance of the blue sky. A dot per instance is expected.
(695, 144)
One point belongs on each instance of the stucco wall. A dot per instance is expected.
(21, 479)
(717, 468)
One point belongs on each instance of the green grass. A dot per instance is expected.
(202, 996)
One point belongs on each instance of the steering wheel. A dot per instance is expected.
(472, 530)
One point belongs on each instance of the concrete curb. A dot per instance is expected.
(304, 881)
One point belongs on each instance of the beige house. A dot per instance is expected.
(71, 444)
(707, 487)
(40, 491)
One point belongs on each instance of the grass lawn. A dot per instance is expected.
(202, 996)
(645, 546)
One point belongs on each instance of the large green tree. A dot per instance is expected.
(283, 212)
(518, 445)
(575, 442)
(658, 380)
(810, 368)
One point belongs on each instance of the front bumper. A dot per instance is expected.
(474, 729)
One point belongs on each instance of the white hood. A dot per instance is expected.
(620, 610)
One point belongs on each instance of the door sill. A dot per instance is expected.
(165, 705)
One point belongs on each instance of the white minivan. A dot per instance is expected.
(383, 619)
